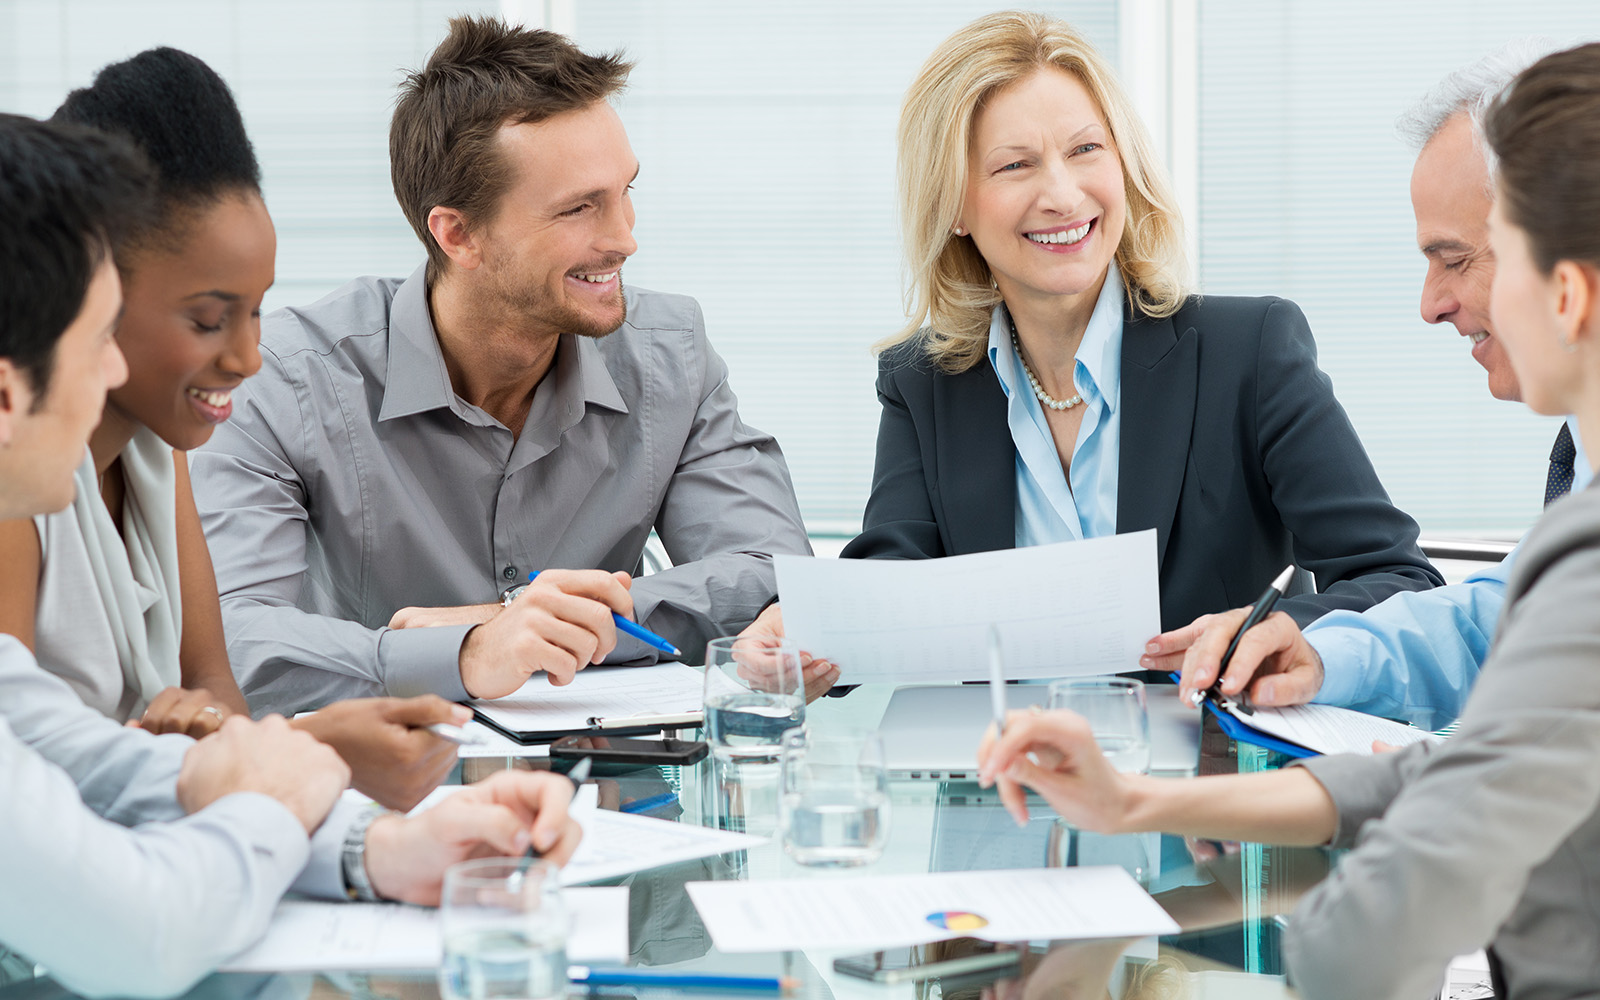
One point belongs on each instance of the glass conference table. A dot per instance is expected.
(1228, 898)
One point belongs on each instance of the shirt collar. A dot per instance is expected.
(1099, 353)
(418, 381)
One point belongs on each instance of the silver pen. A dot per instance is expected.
(455, 734)
(669, 721)
(997, 682)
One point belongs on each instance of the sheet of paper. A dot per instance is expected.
(310, 935)
(1328, 729)
(894, 910)
(617, 843)
(604, 692)
(1074, 608)
(495, 745)
(1467, 978)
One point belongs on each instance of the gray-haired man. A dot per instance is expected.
(1415, 655)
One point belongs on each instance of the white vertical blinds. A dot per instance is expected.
(1304, 193)
(316, 84)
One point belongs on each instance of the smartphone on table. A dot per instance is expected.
(628, 750)
(983, 961)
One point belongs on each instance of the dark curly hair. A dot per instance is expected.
(178, 112)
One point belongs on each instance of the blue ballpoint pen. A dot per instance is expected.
(646, 805)
(583, 975)
(639, 632)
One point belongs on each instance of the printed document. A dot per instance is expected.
(603, 692)
(1329, 729)
(1069, 609)
(616, 843)
(310, 935)
(894, 910)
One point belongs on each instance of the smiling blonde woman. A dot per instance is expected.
(1057, 379)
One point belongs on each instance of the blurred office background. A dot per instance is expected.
(766, 134)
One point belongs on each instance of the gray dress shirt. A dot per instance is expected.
(352, 481)
(110, 902)
(1494, 836)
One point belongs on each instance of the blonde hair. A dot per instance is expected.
(949, 286)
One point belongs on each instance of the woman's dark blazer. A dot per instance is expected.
(1233, 449)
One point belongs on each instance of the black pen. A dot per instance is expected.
(1258, 611)
(578, 775)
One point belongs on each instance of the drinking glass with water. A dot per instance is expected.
(754, 693)
(1115, 710)
(505, 931)
(833, 797)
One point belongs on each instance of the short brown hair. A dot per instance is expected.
(443, 147)
(1545, 132)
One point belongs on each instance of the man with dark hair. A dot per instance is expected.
(133, 863)
(413, 450)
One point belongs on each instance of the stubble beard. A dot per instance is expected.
(541, 310)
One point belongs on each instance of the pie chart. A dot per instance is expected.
(957, 920)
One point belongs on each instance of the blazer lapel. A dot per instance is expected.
(1160, 369)
(977, 477)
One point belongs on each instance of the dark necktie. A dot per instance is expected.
(1559, 483)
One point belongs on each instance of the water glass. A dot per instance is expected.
(833, 797)
(754, 694)
(505, 931)
(1116, 712)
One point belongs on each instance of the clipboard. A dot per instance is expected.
(530, 737)
(542, 712)
(1242, 732)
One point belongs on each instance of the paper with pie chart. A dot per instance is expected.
(889, 911)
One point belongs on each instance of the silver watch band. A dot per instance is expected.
(353, 857)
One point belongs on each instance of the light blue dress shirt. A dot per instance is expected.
(1415, 655)
(1048, 510)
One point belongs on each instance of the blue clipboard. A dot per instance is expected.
(1243, 732)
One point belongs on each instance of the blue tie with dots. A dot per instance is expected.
(1562, 454)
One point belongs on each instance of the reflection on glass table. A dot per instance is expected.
(1226, 897)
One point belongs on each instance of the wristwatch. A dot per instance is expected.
(353, 857)
(510, 594)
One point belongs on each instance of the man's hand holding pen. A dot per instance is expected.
(559, 624)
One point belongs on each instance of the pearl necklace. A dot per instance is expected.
(1038, 390)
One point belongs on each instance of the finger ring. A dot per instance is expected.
(1036, 709)
(212, 709)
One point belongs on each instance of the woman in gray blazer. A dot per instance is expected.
(1059, 381)
(1492, 837)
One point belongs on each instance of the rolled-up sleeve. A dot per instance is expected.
(1415, 655)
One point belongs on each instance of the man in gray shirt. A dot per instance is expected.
(412, 450)
(133, 863)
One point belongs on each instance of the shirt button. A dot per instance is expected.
(510, 572)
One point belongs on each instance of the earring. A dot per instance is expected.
(959, 231)
(1570, 346)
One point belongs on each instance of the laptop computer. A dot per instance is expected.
(931, 732)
